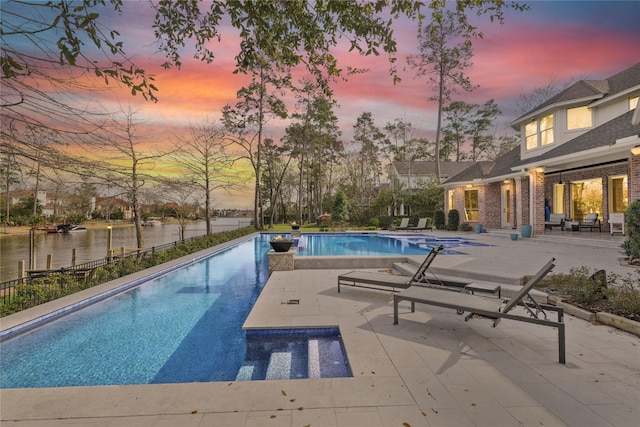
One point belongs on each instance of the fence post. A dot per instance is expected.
(109, 235)
(74, 253)
(32, 249)
(50, 262)
(123, 250)
(21, 271)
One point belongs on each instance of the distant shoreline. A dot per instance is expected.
(8, 230)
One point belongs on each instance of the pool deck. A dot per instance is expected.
(432, 369)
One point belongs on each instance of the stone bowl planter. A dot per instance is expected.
(281, 245)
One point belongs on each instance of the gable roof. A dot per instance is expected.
(499, 167)
(429, 168)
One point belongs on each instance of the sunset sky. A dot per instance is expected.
(554, 41)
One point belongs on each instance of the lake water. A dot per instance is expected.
(91, 244)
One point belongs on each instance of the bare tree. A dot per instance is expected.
(181, 194)
(125, 161)
(208, 162)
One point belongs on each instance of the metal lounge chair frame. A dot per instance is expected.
(383, 281)
(494, 308)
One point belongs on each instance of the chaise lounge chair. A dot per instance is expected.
(383, 281)
(422, 225)
(404, 224)
(494, 308)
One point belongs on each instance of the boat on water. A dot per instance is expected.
(49, 228)
(151, 223)
(67, 228)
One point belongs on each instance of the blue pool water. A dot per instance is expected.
(185, 326)
(359, 244)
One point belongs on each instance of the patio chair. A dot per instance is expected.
(383, 281)
(422, 225)
(616, 223)
(555, 220)
(493, 308)
(591, 221)
(404, 224)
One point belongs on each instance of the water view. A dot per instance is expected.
(92, 243)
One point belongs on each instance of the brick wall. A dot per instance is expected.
(522, 201)
(634, 178)
(537, 221)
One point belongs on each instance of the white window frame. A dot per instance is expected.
(625, 192)
(579, 111)
(540, 136)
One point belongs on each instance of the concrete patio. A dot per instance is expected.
(432, 369)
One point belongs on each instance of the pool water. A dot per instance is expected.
(374, 244)
(294, 353)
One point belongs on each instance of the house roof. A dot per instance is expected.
(429, 167)
(591, 89)
(489, 169)
(604, 135)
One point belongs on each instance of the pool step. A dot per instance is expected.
(317, 358)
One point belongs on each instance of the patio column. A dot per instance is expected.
(537, 201)
(521, 213)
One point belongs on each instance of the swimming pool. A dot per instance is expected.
(376, 244)
(185, 326)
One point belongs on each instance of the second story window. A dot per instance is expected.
(578, 118)
(539, 133)
(546, 130)
(531, 134)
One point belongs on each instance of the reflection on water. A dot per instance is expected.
(92, 244)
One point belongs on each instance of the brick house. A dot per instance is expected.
(579, 150)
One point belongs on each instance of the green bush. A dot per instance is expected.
(465, 226)
(631, 245)
(385, 222)
(438, 220)
(615, 294)
(453, 221)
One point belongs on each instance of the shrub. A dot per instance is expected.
(453, 221)
(631, 246)
(438, 220)
(465, 226)
(374, 223)
(614, 294)
(385, 222)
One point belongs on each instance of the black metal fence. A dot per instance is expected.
(82, 271)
